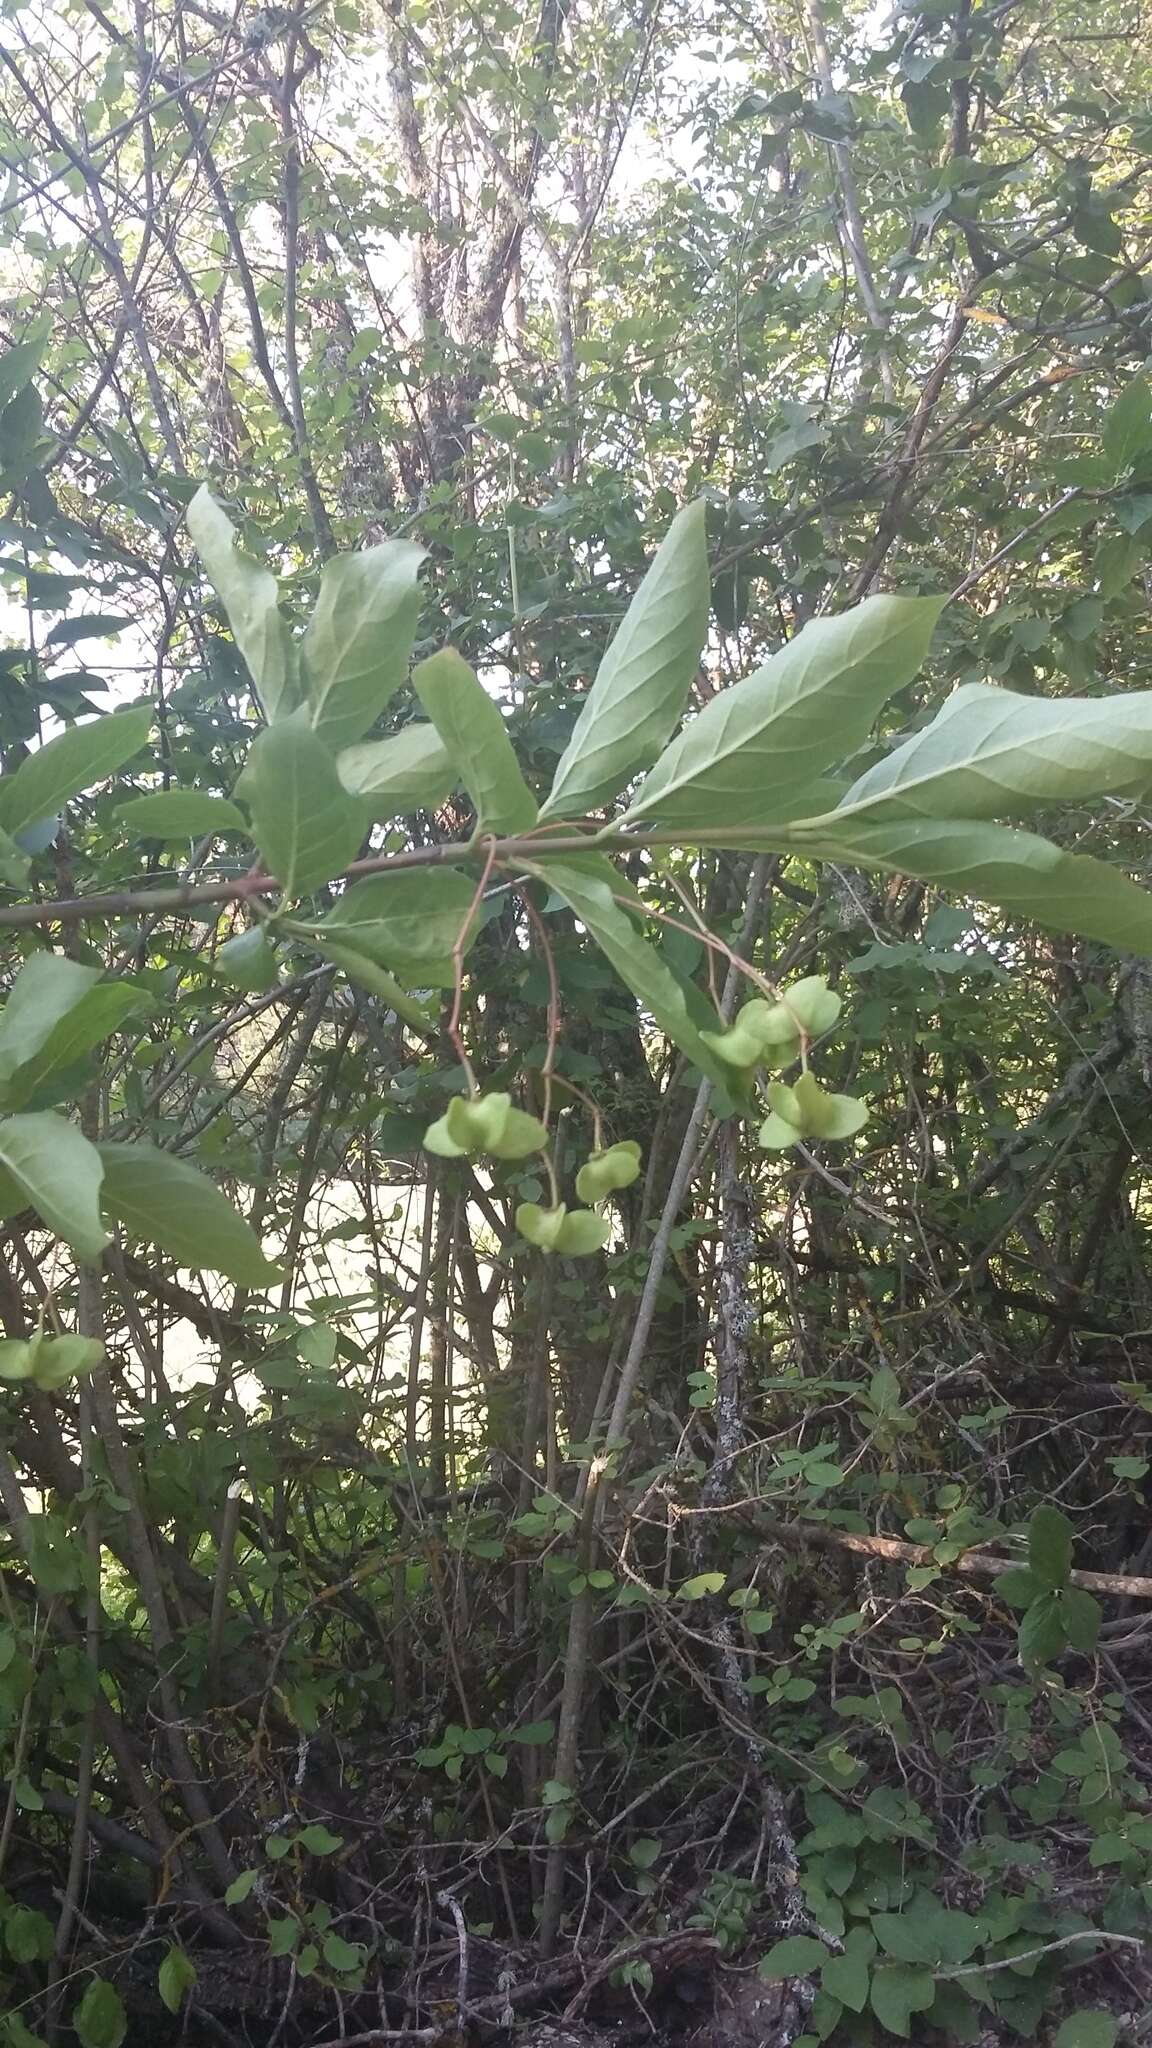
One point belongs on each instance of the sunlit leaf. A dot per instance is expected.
(180, 814)
(59, 1173)
(73, 761)
(250, 599)
(412, 771)
(359, 640)
(748, 756)
(304, 822)
(642, 683)
(475, 738)
(992, 753)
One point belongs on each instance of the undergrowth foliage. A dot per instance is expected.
(575, 1047)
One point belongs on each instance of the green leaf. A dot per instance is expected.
(557, 1822)
(15, 2034)
(1088, 2028)
(796, 1956)
(176, 1979)
(993, 753)
(1080, 1615)
(748, 755)
(1018, 1586)
(954, 2014)
(926, 1932)
(359, 640)
(18, 365)
(73, 761)
(702, 1585)
(368, 974)
(283, 1934)
(21, 425)
(1019, 871)
(643, 681)
(100, 2020)
(847, 1977)
(1117, 559)
(15, 860)
(1133, 512)
(57, 1565)
(248, 961)
(240, 1887)
(412, 771)
(249, 596)
(340, 1954)
(165, 1201)
(534, 1734)
(88, 626)
(898, 1992)
(28, 1935)
(1050, 1539)
(319, 1840)
(46, 988)
(99, 1012)
(408, 923)
(304, 822)
(645, 1851)
(638, 964)
(1041, 1634)
(472, 729)
(56, 1169)
(180, 814)
(1127, 431)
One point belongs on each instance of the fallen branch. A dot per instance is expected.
(974, 1563)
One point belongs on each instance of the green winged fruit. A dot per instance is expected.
(485, 1124)
(603, 1173)
(573, 1233)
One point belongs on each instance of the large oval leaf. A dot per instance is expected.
(250, 599)
(1019, 871)
(991, 753)
(167, 1202)
(53, 1166)
(73, 761)
(359, 640)
(305, 823)
(408, 923)
(180, 814)
(100, 2020)
(472, 729)
(643, 681)
(50, 1075)
(46, 988)
(747, 754)
(897, 1992)
(412, 771)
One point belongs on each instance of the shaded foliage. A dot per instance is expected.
(574, 1079)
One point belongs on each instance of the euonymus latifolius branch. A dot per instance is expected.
(781, 762)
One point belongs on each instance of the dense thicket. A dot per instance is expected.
(729, 1620)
